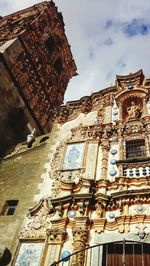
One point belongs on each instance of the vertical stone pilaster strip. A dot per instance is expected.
(105, 152)
(80, 237)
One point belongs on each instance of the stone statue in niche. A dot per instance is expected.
(99, 210)
(133, 111)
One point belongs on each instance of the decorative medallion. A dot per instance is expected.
(71, 214)
(114, 151)
(140, 208)
(115, 119)
(65, 254)
(113, 161)
(115, 112)
(130, 87)
(113, 172)
(111, 215)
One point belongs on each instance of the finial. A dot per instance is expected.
(30, 137)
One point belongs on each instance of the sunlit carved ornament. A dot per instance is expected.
(131, 104)
(139, 208)
(134, 127)
(36, 224)
(141, 231)
(56, 235)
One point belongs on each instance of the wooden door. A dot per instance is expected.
(127, 254)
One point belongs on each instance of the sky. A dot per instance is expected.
(107, 38)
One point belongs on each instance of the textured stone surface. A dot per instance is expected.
(20, 177)
(36, 65)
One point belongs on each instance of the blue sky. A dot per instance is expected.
(107, 38)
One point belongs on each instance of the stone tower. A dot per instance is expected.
(36, 65)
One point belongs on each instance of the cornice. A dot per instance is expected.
(134, 160)
(129, 193)
(17, 154)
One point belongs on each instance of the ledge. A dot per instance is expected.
(134, 160)
(17, 154)
(133, 192)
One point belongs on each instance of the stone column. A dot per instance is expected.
(80, 239)
(144, 112)
(105, 150)
(55, 240)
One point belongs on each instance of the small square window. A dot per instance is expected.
(135, 148)
(9, 207)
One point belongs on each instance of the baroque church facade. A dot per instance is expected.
(80, 193)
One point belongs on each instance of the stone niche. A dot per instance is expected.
(132, 108)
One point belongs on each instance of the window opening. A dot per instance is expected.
(58, 65)
(9, 207)
(135, 148)
(50, 45)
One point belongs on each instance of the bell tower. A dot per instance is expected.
(36, 65)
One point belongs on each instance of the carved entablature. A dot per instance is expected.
(97, 131)
(96, 102)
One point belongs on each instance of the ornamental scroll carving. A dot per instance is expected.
(95, 102)
(55, 174)
(40, 219)
(134, 128)
(36, 224)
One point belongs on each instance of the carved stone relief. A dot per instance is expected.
(36, 224)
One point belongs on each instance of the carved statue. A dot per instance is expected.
(133, 110)
(30, 137)
(99, 210)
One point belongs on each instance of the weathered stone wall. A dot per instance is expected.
(21, 175)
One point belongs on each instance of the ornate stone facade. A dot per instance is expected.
(92, 189)
(100, 175)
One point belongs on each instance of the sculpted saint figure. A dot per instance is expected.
(133, 110)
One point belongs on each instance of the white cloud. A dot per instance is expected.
(99, 54)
